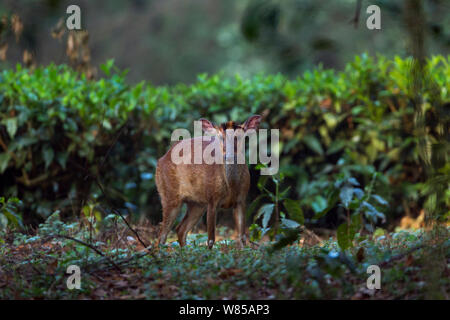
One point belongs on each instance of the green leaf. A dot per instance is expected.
(284, 192)
(346, 233)
(61, 157)
(22, 142)
(353, 181)
(48, 155)
(255, 232)
(288, 223)
(266, 212)
(262, 182)
(11, 126)
(4, 160)
(106, 68)
(378, 233)
(359, 193)
(343, 237)
(380, 200)
(355, 225)
(346, 195)
(252, 207)
(289, 237)
(332, 200)
(12, 217)
(319, 204)
(371, 212)
(336, 146)
(313, 143)
(294, 210)
(3, 221)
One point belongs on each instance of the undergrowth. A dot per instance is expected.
(115, 265)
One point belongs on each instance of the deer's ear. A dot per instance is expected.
(252, 123)
(207, 126)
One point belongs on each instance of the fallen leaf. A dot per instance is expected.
(121, 284)
(409, 260)
(51, 267)
(100, 293)
(230, 272)
(325, 103)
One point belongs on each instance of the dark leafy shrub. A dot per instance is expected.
(63, 138)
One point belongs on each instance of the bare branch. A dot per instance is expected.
(90, 247)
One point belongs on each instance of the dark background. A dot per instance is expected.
(172, 41)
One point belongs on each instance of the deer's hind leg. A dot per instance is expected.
(193, 214)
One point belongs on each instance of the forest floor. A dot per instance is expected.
(115, 265)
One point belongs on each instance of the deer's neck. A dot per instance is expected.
(233, 174)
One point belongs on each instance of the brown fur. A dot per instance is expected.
(202, 187)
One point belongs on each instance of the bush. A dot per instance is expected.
(9, 213)
(64, 138)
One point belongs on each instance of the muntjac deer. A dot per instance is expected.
(220, 184)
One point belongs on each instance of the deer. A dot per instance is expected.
(206, 186)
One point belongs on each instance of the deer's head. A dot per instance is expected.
(231, 135)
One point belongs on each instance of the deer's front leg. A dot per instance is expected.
(211, 224)
(239, 221)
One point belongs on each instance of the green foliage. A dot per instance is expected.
(362, 208)
(9, 213)
(359, 209)
(196, 272)
(62, 135)
(289, 227)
